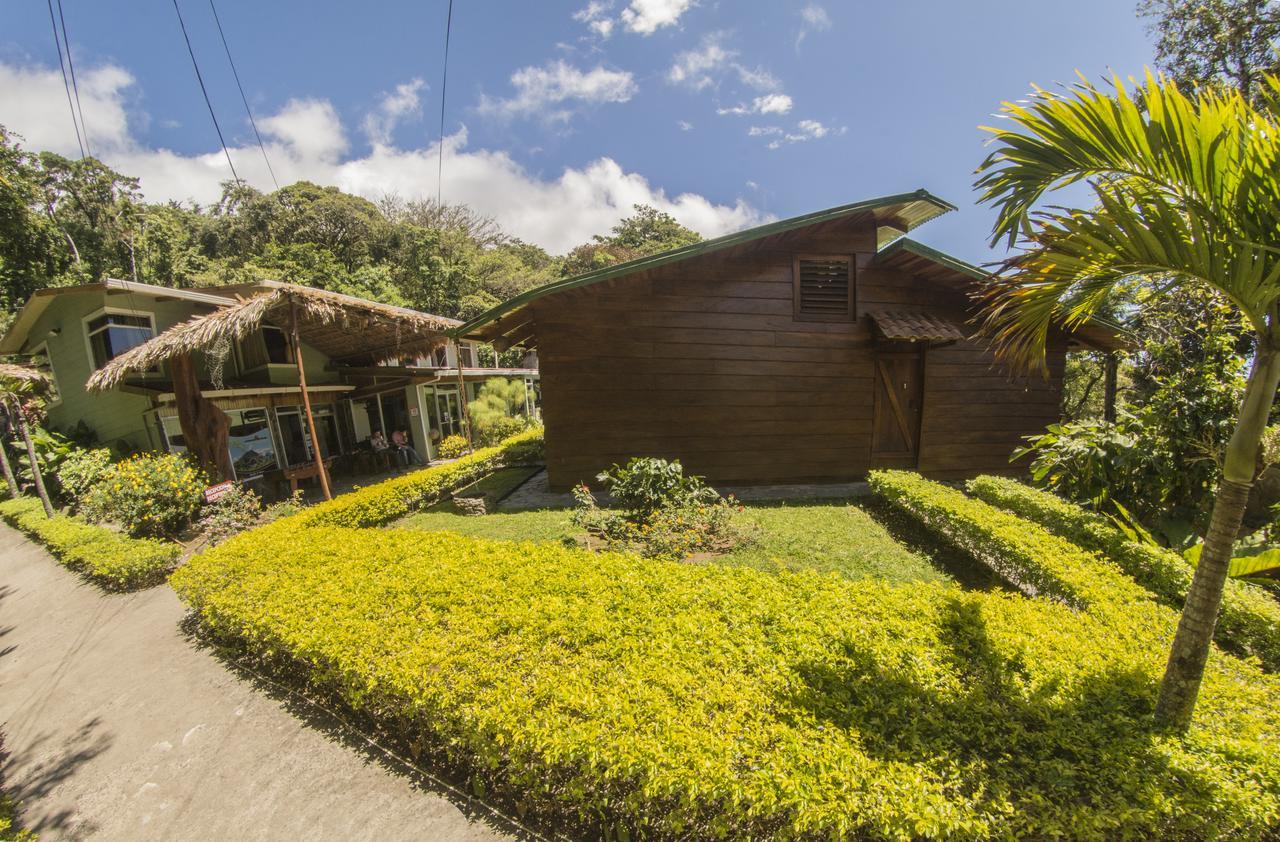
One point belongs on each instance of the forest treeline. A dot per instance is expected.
(66, 222)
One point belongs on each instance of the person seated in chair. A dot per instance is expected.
(407, 455)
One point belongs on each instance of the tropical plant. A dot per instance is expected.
(81, 470)
(1185, 188)
(151, 494)
(20, 390)
(497, 411)
(233, 512)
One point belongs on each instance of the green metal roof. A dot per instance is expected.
(921, 250)
(920, 206)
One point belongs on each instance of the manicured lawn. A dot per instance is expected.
(829, 536)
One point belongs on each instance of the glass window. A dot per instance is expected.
(267, 345)
(111, 334)
(296, 438)
(249, 440)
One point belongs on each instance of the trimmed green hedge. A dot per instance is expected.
(677, 700)
(1249, 622)
(382, 503)
(115, 561)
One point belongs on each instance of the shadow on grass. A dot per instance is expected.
(1080, 754)
(915, 536)
(424, 767)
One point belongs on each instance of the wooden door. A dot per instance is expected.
(899, 397)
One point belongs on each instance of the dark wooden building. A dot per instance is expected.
(810, 349)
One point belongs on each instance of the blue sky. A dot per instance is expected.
(561, 115)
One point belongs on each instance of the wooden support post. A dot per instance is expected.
(205, 427)
(1109, 386)
(306, 401)
(463, 410)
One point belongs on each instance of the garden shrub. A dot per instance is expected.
(150, 494)
(642, 697)
(233, 512)
(452, 447)
(80, 470)
(497, 411)
(1023, 553)
(1249, 620)
(662, 512)
(394, 498)
(114, 561)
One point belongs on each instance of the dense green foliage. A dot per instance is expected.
(1249, 621)
(666, 699)
(451, 447)
(1209, 43)
(114, 561)
(498, 410)
(150, 494)
(82, 469)
(394, 498)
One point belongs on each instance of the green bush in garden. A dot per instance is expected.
(81, 470)
(150, 494)
(115, 561)
(451, 447)
(649, 698)
(382, 503)
(1249, 622)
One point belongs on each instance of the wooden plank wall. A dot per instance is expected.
(705, 362)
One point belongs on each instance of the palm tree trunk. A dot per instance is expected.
(10, 480)
(1191, 642)
(37, 477)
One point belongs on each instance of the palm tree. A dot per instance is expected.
(19, 384)
(1183, 188)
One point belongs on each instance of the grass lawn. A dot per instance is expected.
(830, 536)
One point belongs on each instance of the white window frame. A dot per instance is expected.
(116, 311)
(43, 348)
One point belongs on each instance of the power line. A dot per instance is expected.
(66, 40)
(243, 98)
(444, 88)
(205, 92)
(66, 83)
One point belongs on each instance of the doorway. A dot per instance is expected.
(899, 401)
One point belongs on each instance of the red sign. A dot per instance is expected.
(214, 492)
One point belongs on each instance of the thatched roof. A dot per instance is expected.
(339, 326)
(21, 374)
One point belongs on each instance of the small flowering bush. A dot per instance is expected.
(663, 513)
(235, 511)
(451, 447)
(148, 494)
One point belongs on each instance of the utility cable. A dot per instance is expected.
(444, 87)
(66, 42)
(243, 98)
(66, 83)
(203, 90)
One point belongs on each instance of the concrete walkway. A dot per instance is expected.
(119, 727)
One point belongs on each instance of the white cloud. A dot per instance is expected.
(767, 104)
(648, 16)
(703, 67)
(306, 140)
(805, 130)
(542, 90)
(309, 129)
(596, 16)
(813, 18)
(403, 102)
(695, 68)
(685, 125)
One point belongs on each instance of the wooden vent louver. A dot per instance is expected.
(823, 288)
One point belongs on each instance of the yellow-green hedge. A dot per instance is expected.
(379, 504)
(1249, 622)
(697, 701)
(115, 561)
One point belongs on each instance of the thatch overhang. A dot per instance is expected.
(24, 375)
(341, 327)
